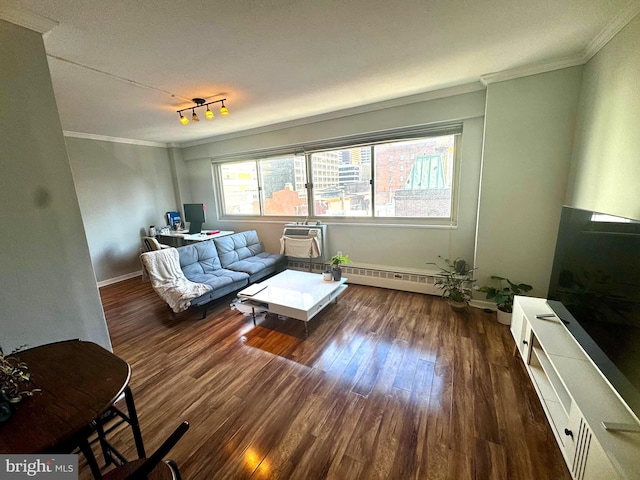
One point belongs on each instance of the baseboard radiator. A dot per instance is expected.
(384, 277)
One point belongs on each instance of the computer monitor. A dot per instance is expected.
(194, 214)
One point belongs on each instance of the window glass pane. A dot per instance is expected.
(240, 188)
(341, 182)
(426, 190)
(283, 186)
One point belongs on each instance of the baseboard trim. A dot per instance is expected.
(121, 278)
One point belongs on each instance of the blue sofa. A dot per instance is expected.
(227, 264)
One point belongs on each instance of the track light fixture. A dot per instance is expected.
(201, 102)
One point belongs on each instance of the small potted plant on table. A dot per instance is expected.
(503, 296)
(456, 282)
(336, 262)
(14, 380)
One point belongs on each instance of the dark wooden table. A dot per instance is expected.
(79, 382)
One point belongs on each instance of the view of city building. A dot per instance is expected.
(410, 179)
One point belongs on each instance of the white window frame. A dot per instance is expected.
(308, 150)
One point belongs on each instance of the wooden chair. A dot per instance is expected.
(152, 468)
(109, 421)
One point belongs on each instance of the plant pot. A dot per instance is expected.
(337, 274)
(457, 306)
(504, 317)
(5, 408)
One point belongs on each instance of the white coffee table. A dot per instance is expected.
(299, 295)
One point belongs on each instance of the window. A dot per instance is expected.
(272, 186)
(341, 182)
(282, 183)
(348, 182)
(240, 188)
(428, 189)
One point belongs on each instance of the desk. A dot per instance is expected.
(79, 382)
(182, 237)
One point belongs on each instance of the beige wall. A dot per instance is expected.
(122, 190)
(48, 289)
(529, 129)
(606, 159)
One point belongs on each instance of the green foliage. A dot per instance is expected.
(14, 377)
(338, 260)
(504, 293)
(455, 279)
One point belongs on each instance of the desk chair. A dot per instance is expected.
(150, 244)
(152, 467)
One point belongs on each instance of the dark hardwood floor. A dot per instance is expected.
(387, 384)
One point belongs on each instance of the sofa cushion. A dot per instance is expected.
(220, 278)
(256, 263)
(200, 264)
(199, 258)
(232, 248)
(220, 292)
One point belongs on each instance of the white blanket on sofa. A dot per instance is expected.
(168, 280)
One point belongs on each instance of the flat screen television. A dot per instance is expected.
(595, 291)
(194, 214)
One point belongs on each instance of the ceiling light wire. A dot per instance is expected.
(117, 77)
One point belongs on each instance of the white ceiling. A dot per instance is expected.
(121, 68)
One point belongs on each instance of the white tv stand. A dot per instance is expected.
(593, 428)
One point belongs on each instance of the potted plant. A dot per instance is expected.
(336, 261)
(456, 282)
(503, 296)
(14, 376)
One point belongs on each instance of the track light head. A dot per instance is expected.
(223, 110)
(194, 116)
(208, 114)
(184, 120)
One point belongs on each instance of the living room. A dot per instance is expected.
(533, 140)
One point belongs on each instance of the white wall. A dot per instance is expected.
(179, 176)
(529, 128)
(122, 190)
(400, 246)
(48, 289)
(606, 159)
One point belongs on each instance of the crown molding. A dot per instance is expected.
(26, 18)
(103, 138)
(347, 112)
(612, 28)
(528, 70)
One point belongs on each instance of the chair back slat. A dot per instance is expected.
(152, 462)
